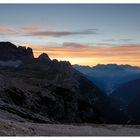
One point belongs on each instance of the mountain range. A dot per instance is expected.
(49, 91)
(41, 90)
(111, 76)
(122, 85)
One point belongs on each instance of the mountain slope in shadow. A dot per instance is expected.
(48, 91)
(128, 97)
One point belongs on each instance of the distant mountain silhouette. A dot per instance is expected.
(111, 76)
(45, 90)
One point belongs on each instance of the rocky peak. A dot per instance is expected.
(44, 57)
(10, 52)
(6, 45)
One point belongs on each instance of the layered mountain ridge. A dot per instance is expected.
(111, 76)
(48, 91)
(124, 82)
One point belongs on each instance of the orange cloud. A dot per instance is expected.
(92, 55)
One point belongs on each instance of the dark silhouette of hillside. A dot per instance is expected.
(45, 90)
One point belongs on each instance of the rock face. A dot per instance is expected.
(50, 91)
(10, 55)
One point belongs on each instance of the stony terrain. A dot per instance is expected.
(14, 125)
(14, 128)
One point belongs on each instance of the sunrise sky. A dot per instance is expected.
(82, 34)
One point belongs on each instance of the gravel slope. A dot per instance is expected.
(14, 128)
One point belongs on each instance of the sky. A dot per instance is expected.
(85, 34)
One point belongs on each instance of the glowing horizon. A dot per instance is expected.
(85, 34)
(92, 56)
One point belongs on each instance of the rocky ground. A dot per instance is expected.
(13, 128)
(14, 125)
